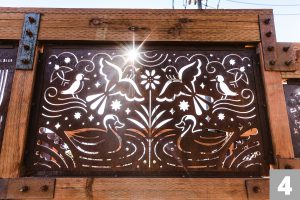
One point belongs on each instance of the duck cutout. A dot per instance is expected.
(223, 88)
(200, 138)
(182, 83)
(86, 140)
(124, 83)
(76, 86)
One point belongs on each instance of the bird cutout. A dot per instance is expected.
(182, 82)
(126, 80)
(60, 72)
(76, 86)
(223, 88)
(204, 137)
(105, 140)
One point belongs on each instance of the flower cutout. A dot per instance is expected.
(239, 74)
(150, 79)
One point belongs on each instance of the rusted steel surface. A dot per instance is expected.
(167, 111)
(292, 97)
(8, 56)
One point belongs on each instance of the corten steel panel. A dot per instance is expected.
(292, 97)
(7, 67)
(173, 110)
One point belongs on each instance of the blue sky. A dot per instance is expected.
(287, 18)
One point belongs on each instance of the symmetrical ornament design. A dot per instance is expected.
(292, 97)
(168, 110)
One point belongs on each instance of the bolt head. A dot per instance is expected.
(24, 188)
(270, 48)
(44, 188)
(272, 62)
(267, 21)
(256, 189)
(133, 28)
(285, 49)
(31, 20)
(269, 34)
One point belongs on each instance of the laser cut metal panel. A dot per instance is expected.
(292, 97)
(7, 67)
(173, 110)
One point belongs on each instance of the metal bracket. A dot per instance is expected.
(277, 56)
(28, 41)
(27, 188)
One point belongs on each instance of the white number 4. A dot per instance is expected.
(285, 186)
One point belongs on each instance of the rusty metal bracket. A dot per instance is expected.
(257, 189)
(27, 188)
(277, 56)
(28, 41)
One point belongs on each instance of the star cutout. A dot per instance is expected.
(184, 105)
(57, 125)
(116, 105)
(91, 117)
(207, 118)
(221, 116)
(77, 115)
(172, 111)
(232, 62)
(202, 85)
(97, 84)
(127, 111)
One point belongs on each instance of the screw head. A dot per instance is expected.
(270, 48)
(25, 61)
(26, 47)
(267, 21)
(269, 34)
(285, 49)
(31, 20)
(287, 166)
(29, 33)
(272, 62)
(132, 28)
(256, 189)
(24, 188)
(288, 63)
(44, 188)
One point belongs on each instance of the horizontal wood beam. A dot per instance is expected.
(153, 25)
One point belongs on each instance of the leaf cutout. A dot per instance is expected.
(143, 117)
(158, 116)
(136, 123)
(163, 123)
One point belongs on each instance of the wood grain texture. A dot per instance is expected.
(258, 189)
(278, 118)
(155, 25)
(288, 163)
(17, 122)
(150, 188)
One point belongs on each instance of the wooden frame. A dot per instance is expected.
(234, 26)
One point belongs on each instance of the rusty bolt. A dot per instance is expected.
(267, 21)
(26, 47)
(31, 20)
(272, 62)
(133, 28)
(285, 49)
(268, 34)
(288, 63)
(29, 33)
(287, 166)
(270, 48)
(25, 61)
(96, 21)
(256, 189)
(24, 188)
(44, 188)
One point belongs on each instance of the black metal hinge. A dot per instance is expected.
(28, 41)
